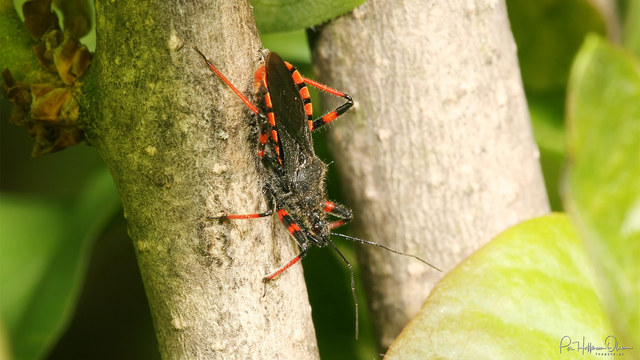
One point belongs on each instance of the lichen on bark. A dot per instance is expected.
(177, 143)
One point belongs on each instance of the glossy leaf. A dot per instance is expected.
(602, 184)
(287, 15)
(516, 298)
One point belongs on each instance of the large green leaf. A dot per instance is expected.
(292, 46)
(289, 15)
(31, 231)
(603, 178)
(44, 251)
(519, 297)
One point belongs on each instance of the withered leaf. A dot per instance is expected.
(38, 18)
(19, 117)
(46, 108)
(49, 111)
(72, 59)
(76, 16)
(81, 61)
(45, 49)
(53, 138)
(19, 93)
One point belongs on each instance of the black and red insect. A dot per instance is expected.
(294, 185)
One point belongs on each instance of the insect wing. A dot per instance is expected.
(288, 106)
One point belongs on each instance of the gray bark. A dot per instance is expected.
(178, 145)
(438, 156)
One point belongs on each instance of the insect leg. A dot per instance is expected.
(339, 211)
(300, 256)
(301, 236)
(335, 113)
(301, 82)
(270, 200)
(229, 84)
(241, 216)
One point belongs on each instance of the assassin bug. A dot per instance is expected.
(295, 180)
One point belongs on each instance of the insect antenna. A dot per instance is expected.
(355, 239)
(353, 283)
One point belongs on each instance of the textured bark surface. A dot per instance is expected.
(438, 156)
(178, 145)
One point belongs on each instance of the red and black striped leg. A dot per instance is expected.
(301, 236)
(241, 216)
(339, 211)
(270, 200)
(300, 256)
(268, 119)
(301, 82)
(229, 84)
(335, 113)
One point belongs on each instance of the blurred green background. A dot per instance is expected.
(61, 224)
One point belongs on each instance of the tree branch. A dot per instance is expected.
(177, 142)
(438, 156)
(17, 45)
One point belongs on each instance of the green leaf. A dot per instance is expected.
(31, 232)
(602, 184)
(548, 34)
(516, 298)
(289, 15)
(44, 253)
(292, 46)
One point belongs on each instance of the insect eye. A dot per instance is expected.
(317, 224)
